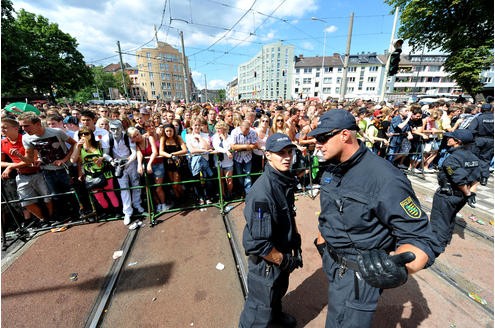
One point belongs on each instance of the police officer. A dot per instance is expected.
(368, 211)
(457, 179)
(270, 238)
(482, 128)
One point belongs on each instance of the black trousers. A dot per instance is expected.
(444, 210)
(267, 284)
(483, 148)
(351, 301)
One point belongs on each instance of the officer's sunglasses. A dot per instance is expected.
(322, 138)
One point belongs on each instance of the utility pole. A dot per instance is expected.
(184, 68)
(390, 49)
(122, 69)
(206, 90)
(343, 89)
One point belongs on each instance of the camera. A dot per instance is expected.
(119, 165)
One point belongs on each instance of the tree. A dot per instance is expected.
(221, 95)
(461, 28)
(38, 58)
(103, 80)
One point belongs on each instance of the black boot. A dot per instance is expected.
(483, 181)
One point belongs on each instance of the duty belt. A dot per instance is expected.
(342, 260)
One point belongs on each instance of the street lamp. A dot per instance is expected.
(323, 56)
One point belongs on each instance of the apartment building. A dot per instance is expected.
(422, 74)
(268, 75)
(161, 72)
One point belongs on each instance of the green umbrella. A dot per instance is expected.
(20, 107)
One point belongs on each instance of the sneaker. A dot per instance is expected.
(159, 208)
(209, 201)
(135, 225)
(201, 201)
(428, 170)
(127, 219)
(416, 170)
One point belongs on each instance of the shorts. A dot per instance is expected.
(33, 185)
(228, 168)
(158, 170)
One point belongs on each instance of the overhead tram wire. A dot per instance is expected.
(261, 24)
(225, 34)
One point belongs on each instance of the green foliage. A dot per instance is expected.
(466, 66)
(461, 28)
(38, 58)
(222, 95)
(104, 80)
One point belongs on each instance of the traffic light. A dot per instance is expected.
(394, 62)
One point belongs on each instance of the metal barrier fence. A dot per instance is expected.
(309, 172)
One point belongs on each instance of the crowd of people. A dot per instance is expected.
(105, 153)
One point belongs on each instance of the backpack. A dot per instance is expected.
(112, 142)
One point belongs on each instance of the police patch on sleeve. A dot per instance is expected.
(411, 208)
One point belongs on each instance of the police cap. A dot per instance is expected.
(278, 141)
(463, 135)
(335, 119)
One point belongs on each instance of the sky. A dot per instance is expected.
(219, 35)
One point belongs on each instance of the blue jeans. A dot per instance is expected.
(244, 168)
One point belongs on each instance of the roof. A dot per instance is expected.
(363, 59)
(115, 67)
(334, 60)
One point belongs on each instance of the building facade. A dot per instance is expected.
(231, 90)
(268, 75)
(161, 73)
(423, 74)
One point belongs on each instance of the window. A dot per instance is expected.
(297, 70)
(372, 79)
(351, 69)
(151, 75)
(328, 69)
(370, 88)
(373, 68)
(351, 79)
(317, 74)
(150, 67)
(307, 80)
(327, 90)
(350, 89)
(339, 80)
(307, 70)
(327, 80)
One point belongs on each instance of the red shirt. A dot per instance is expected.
(7, 146)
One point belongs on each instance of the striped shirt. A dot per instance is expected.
(244, 156)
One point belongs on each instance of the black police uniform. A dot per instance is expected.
(270, 222)
(461, 167)
(366, 203)
(482, 128)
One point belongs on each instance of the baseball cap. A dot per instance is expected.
(278, 141)
(463, 135)
(335, 119)
(71, 120)
(486, 107)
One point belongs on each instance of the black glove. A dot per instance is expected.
(381, 270)
(320, 247)
(289, 263)
(471, 200)
(298, 255)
